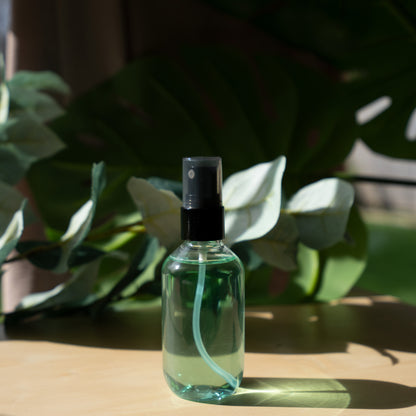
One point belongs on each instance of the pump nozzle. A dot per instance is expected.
(202, 210)
(202, 182)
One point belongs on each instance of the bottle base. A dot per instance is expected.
(200, 393)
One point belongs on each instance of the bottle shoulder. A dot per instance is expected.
(203, 252)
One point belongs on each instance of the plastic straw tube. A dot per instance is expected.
(196, 317)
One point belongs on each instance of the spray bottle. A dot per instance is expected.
(203, 294)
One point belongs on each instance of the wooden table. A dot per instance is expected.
(353, 357)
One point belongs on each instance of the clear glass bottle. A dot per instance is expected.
(203, 295)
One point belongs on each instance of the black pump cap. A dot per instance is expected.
(202, 182)
(202, 214)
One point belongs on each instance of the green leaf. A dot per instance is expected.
(38, 105)
(257, 285)
(143, 261)
(302, 281)
(247, 255)
(321, 211)
(72, 293)
(84, 254)
(391, 261)
(39, 80)
(80, 223)
(160, 210)
(343, 264)
(46, 255)
(252, 200)
(24, 141)
(279, 246)
(167, 185)
(12, 234)
(10, 202)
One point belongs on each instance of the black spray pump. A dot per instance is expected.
(202, 213)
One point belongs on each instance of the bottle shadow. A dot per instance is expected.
(321, 393)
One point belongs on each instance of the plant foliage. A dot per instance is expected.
(283, 111)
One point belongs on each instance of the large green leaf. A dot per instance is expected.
(319, 63)
(141, 122)
(366, 48)
(321, 210)
(252, 201)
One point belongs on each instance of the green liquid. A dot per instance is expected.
(221, 323)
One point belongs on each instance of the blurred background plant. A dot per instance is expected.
(262, 79)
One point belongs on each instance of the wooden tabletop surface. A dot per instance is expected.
(353, 357)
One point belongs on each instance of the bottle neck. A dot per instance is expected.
(202, 251)
(202, 224)
(204, 244)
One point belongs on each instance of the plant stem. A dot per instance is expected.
(34, 250)
(373, 179)
(136, 227)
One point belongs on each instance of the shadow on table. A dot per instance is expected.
(385, 327)
(322, 393)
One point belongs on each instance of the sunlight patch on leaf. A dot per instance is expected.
(372, 110)
(80, 222)
(4, 102)
(4, 93)
(71, 293)
(410, 132)
(279, 246)
(321, 210)
(160, 210)
(252, 199)
(12, 234)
